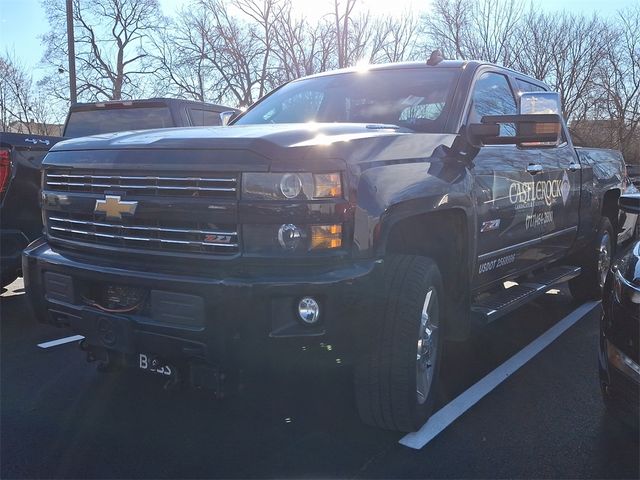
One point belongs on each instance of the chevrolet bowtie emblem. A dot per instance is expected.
(113, 207)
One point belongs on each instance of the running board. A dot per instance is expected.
(492, 307)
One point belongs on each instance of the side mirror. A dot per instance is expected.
(226, 117)
(630, 203)
(531, 130)
(538, 123)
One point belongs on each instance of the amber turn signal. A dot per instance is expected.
(327, 185)
(326, 236)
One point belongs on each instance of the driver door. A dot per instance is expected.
(504, 188)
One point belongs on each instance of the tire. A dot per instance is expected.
(396, 373)
(597, 260)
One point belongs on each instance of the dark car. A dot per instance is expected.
(619, 330)
(20, 216)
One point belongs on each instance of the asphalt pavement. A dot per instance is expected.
(61, 418)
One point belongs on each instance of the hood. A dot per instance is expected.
(289, 144)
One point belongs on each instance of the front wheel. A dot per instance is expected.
(396, 374)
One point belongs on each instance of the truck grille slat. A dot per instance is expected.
(104, 185)
(218, 186)
(144, 239)
(127, 227)
(125, 177)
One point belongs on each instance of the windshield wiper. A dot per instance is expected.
(383, 126)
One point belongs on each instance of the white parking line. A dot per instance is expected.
(463, 402)
(60, 341)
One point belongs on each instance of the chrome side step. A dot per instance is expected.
(490, 308)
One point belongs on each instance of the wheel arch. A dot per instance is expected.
(444, 236)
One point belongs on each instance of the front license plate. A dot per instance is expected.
(150, 364)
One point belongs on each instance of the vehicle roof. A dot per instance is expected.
(391, 66)
(461, 64)
(181, 101)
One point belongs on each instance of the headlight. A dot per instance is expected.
(289, 186)
(623, 290)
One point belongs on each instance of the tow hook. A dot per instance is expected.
(91, 355)
(105, 361)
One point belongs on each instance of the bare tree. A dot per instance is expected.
(263, 14)
(618, 78)
(394, 38)
(180, 53)
(110, 38)
(343, 19)
(536, 40)
(474, 29)
(300, 48)
(448, 27)
(15, 93)
(23, 106)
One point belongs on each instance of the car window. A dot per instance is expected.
(415, 99)
(93, 122)
(426, 111)
(200, 117)
(525, 86)
(492, 96)
(301, 106)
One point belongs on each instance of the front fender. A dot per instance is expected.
(391, 193)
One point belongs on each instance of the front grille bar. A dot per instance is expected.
(146, 187)
(154, 229)
(145, 239)
(143, 184)
(145, 177)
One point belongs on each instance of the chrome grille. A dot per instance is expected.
(221, 186)
(194, 238)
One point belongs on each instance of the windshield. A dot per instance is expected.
(416, 99)
(93, 122)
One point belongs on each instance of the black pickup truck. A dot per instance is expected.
(21, 157)
(383, 209)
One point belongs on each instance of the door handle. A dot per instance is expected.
(574, 167)
(534, 169)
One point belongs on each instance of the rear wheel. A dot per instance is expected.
(397, 373)
(597, 260)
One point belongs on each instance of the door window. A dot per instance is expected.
(200, 117)
(525, 86)
(492, 96)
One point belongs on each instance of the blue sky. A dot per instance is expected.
(23, 21)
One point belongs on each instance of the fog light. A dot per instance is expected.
(309, 310)
(289, 236)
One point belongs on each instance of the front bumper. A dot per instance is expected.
(219, 316)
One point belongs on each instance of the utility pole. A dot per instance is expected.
(73, 95)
